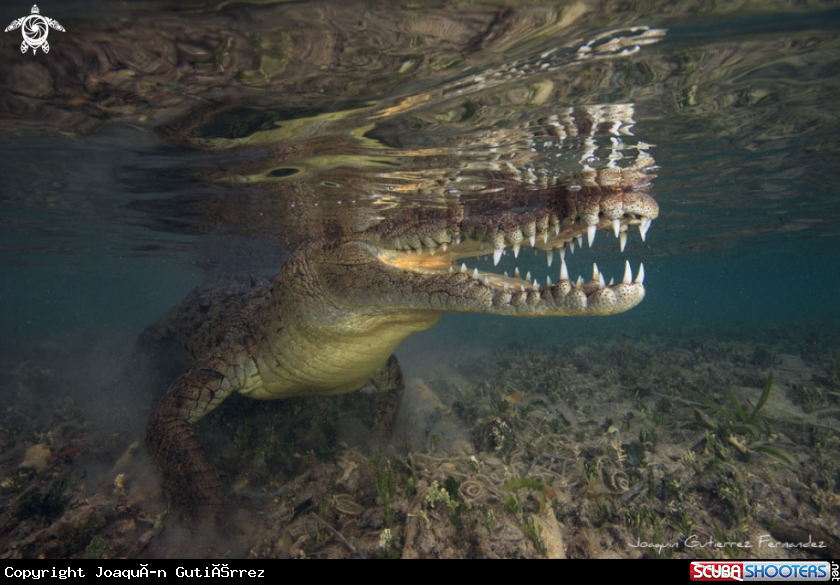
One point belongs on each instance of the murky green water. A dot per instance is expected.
(376, 109)
(157, 144)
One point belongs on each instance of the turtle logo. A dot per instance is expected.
(35, 29)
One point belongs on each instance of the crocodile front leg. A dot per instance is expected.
(389, 380)
(189, 478)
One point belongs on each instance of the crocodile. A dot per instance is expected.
(330, 321)
(356, 286)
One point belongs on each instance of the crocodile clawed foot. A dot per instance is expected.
(190, 481)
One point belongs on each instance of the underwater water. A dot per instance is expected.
(158, 145)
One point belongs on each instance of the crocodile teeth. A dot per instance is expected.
(580, 241)
(644, 226)
(548, 282)
(628, 273)
(616, 227)
(545, 238)
(563, 254)
(622, 240)
(601, 281)
(590, 233)
(595, 271)
(497, 255)
(475, 273)
(549, 257)
(640, 277)
(463, 267)
(572, 246)
(486, 281)
(533, 240)
(516, 250)
(564, 270)
(579, 281)
(516, 272)
(444, 246)
(528, 276)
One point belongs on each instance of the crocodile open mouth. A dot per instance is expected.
(444, 252)
(438, 252)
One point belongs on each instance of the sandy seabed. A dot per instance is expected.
(686, 446)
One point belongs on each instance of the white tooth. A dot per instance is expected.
(616, 227)
(644, 226)
(580, 241)
(457, 239)
(451, 270)
(431, 251)
(516, 250)
(628, 274)
(601, 280)
(579, 281)
(622, 240)
(486, 281)
(563, 254)
(549, 257)
(612, 281)
(595, 271)
(590, 233)
(557, 230)
(475, 273)
(522, 287)
(497, 255)
(572, 246)
(528, 276)
(564, 271)
(463, 267)
(506, 274)
(516, 272)
(547, 282)
(640, 277)
(533, 240)
(545, 238)
(444, 246)
(536, 286)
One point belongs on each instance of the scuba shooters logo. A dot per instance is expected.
(764, 571)
(35, 29)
